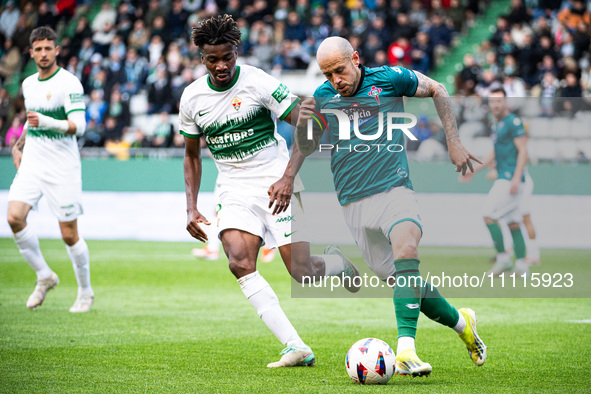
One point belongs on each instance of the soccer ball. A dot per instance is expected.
(370, 361)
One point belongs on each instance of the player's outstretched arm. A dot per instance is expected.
(304, 143)
(192, 168)
(458, 154)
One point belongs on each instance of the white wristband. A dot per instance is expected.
(46, 122)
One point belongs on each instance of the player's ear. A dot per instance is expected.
(355, 58)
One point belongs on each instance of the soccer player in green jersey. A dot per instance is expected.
(375, 190)
(510, 155)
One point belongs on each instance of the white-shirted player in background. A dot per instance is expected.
(48, 163)
(235, 109)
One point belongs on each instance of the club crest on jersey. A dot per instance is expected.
(236, 102)
(375, 92)
(48, 96)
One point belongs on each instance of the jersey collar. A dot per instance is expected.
(225, 87)
(362, 68)
(51, 76)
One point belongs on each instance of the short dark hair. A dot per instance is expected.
(499, 90)
(42, 33)
(215, 31)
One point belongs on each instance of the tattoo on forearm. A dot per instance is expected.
(429, 88)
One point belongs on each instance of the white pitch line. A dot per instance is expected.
(586, 321)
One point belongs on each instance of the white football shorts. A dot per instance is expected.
(501, 204)
(65, 199)
(251, 213)
(371, 220)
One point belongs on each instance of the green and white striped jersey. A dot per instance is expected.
(239, 123)
(52, 155)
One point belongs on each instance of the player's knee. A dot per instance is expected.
(406, 250)
(70, 239)
(488, 220)
(241, 266)
(514, 226)
(16, 222)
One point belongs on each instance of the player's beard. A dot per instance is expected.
(46, 67)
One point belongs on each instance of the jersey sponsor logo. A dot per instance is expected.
(228, 139)
(236, 103)
(76, 98)
(287, 218)
(280, 93)
(375, 92)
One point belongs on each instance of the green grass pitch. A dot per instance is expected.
(164, 321)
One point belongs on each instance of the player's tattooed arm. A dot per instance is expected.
(458, 154)
(17, 149)
(304, 144)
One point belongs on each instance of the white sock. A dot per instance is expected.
(81, 262)
(266, 303)
(28, 245)
(334, 265)
(461, 325)
(405, 343)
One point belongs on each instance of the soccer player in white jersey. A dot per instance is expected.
(48, 163)
(235, 109)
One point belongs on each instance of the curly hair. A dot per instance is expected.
(215, 31)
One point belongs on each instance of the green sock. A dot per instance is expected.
(436, 308)
(407, 296)
(497, 236)
(518, 243)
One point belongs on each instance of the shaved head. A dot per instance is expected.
(334, 47)
(339, 63)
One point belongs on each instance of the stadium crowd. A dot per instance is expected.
(123, 49)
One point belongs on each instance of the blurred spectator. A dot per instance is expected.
(179, 84)
(159, 92)
(125, 19)
(5, 106)
(10, 61)
(117, 47)
(421, 131)
(295, 28)
(30, 15)
(547, 91)
(139, 140)
(45, 16)
(527, 62)
(107, 15)
(113, 131)
(155, 50)
(292, 57)
(22, 33)
(467, 78)
(317, 32)
(178, 141)
(102, 38)
(135, 72)
(118, 109)
(571, 93)
(399, 52)
(9, 19)
(263, 52)
(486, 84)
(164, 132)
(403, 27)
(422, 53)
(519, 12)
(417, 14)
(339, 27)
(177, 19)
(507, 47)
(139, 37)
(581, 40)
(572, 16)
(86, 51)
(81, 32)
(14, 132)
(93, 135)
(155, 10)
(96, 108)
(514, 86)
(457, 14)
(501, 28)
(159, 28)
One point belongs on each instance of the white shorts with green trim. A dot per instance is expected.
(501, 204)
(252, 214)
(65, 199)
(371, 220)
